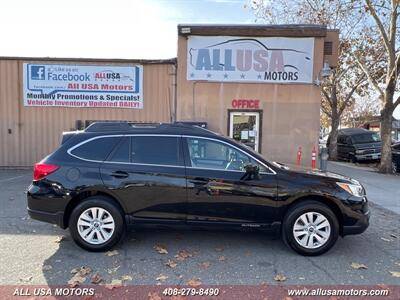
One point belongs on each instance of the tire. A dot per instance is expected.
(394, 168)
(326, 238)
(353, 159)
(108, 226)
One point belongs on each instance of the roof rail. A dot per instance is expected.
(118, 126)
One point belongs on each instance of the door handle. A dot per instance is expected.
(119, 174)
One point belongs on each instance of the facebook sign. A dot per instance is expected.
(37, 72)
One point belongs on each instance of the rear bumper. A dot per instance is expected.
(359, 227)
(53, 218)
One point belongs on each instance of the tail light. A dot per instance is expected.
(41, 170)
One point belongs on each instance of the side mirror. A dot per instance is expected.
(252, 172)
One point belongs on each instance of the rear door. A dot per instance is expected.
(218, 193)
(147, 173)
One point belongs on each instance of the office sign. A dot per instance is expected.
(250, 59)
(82, 86)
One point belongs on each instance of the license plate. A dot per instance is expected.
(375, 156)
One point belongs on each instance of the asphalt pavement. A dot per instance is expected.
(382, 189)
(32, 252)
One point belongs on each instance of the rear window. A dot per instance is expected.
(156, 150)
(97, 149)
(365, 138)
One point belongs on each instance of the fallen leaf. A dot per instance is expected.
(393, 236)
(194, 282)
(161, 249)
(280, 277)
(113, 270)
(397, 263)
(205, 265)
(221, 258)
(59, 239)
(126, 278)
(76, 280)
(302, 278)
(85, 270)
(96, 279)
(182, 255)
(116, 282)
(385, 239)
(170, 263)
(162, 277)
(394, 273)
(74, 270)
(154, 296)
(26, 279)
(112, 253)
(47, 268)
(219, 249)
(358, 266)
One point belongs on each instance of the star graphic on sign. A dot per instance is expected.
(225, 75)
(208, 75)
(191, 74)
(259, 76)
(242, 75)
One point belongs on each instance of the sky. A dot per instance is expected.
(108, 28)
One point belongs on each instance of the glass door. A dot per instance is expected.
(244, 127)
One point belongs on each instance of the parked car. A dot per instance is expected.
(396, 157)
(358, 144)
(112, 175)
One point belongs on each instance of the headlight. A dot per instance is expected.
(354, 189)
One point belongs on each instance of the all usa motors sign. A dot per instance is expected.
(250, 59)
(82, 86)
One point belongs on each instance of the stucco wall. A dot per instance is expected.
(291, 112)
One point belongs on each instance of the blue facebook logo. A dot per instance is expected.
(37, 72)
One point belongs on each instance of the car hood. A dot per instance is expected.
(317, 173)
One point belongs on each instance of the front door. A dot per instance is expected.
(217, 191)
(244, 127)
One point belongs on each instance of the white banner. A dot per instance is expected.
(82, 86)
(250, 59)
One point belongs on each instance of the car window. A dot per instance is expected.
(121, 153)
(366, 138)
(157, 150)
(97, 149)
(210, 154)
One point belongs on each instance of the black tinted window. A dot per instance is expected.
(121, 153)
(156, 150)
(97, 149)
(366, 138)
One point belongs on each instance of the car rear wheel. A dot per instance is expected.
(310, 228)
(394, 168)
(97, 224)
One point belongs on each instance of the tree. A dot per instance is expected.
(381, 65)
(339, 89)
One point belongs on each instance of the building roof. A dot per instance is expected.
(289, 30)
(94, 60)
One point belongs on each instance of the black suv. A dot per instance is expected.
(358, 144)
(116, 174)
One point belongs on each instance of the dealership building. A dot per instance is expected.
(258, 84)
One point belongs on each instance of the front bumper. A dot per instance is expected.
(368, 156)
(359, 227)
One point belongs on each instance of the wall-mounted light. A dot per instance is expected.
(325, 72)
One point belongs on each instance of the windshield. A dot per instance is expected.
(365, 138)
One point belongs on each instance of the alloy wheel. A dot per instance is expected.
(96, 225)
(311, 230)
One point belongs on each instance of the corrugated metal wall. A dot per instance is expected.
(27, 134)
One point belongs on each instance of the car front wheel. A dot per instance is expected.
(96, 224)
(310, 228)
